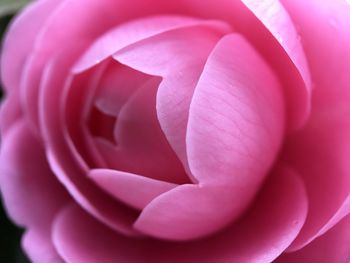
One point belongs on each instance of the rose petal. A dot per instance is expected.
(180, 74)
(243, 20)
(79, 238)
(324, 142)
(135, 31)
(228, 175)
(142, 147)
(331, 247)
(62, 161)
(117, 84)
(31, 193)
(276, 19)
(77, 106)
(136, 190)
(25, 27)
(10, 112)
(260, 236)
(81, 30)
(320, 152)
(39, 247)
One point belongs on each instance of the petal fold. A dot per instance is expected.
(241, 123)
(261, 235)
(136, 190)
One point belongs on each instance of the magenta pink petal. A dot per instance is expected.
(141, 145)
(24, 27)
(10, 112)
(180, 73)
(117, 84)
(331, 247)
(186, 212)
(142, 55)
(135, 190)
(277, 20)
(77, 104)
(245, 22)
(237, 111)
(325, 29)
(260, 236)
(80, 238)
(31, 192)
(38, 245)
(62, 160)
(135, 31)
(324, 143)
(237, 121)
(81, 30)
(320, 152)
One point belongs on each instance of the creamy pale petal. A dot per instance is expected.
(233, 135)
(324, 143)
(260, 236)
(134, 189)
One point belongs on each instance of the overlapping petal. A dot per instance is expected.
(320, 151)
(260, 236)
(233, 114)
(331, 247)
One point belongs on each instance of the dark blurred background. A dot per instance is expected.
(10, 235)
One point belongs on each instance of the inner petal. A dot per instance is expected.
(141, 145)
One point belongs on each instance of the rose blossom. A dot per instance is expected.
(178, 131)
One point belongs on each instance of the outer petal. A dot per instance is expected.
(61, 158)
(25, 27)
(324, 143)
(38, 245)
(31, 193)
(276, 19)
(10, 112)
(79, 238)
(260, 236)
(334, 246)
(320, 152)
(294, 77)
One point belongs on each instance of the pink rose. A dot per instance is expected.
(178, 131)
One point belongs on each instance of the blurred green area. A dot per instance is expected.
(10, 235)
(8, 7)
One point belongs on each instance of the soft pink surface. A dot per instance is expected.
(212, 131)
(331, 247)
(31, 194)
(249, 240)
(320, 151)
